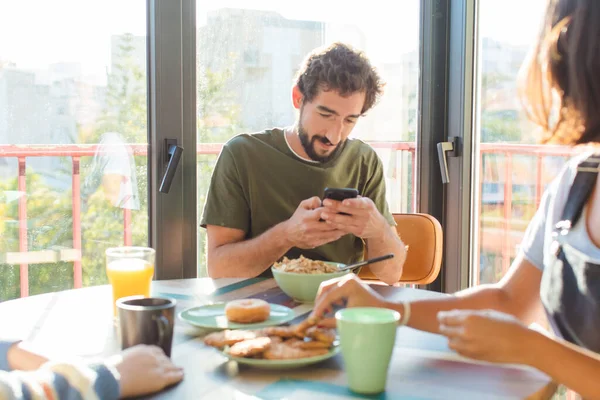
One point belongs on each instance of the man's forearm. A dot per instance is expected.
(388, 271)
(248, 258)
(577, 368)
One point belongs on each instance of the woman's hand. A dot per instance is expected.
(348, 289)
(486, 335)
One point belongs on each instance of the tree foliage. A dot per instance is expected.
(49, 211)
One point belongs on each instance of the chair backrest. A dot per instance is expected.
(422, 233)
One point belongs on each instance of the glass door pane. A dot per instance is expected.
(513, 170)
(73, 140)
(248, 53)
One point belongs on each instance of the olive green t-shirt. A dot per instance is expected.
(258, 182)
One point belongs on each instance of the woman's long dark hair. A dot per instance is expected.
(561, 80)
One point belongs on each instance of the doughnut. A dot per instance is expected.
(247, 311)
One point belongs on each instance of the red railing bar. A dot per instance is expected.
(209, 148)
(413, 157)
(529, 149)
(76, 189)
(89, 150)
(479, 223)
(507, 211)
(22, 188)
(65, 150)
(407, 146)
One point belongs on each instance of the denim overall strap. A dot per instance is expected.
(585, 180)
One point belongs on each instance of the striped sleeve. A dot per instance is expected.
(64, 381)
(4, 346)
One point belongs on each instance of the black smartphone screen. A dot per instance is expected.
(340, 194)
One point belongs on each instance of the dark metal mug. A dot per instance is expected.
(147, 320)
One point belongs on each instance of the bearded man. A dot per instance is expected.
(264, 201)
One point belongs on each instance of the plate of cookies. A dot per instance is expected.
(278, 346)
(237, 314)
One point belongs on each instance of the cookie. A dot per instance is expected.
(250, 347)
(282, 351)
(307, 345)
(276, 339)
(228, 337)
(300, 329)
(321, 334)
(293, 342)
(281, 331)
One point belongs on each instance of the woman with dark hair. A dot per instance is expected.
(559, 261)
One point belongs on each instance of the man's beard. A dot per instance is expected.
(309, 145)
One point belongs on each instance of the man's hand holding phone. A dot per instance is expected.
(303, 229)
(348, 212)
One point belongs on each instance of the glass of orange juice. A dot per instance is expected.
(130, 271)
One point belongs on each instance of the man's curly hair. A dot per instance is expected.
(341, 68)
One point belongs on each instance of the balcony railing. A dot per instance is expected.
(75, 152)
(508, 239)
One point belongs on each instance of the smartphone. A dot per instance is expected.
(340, 194)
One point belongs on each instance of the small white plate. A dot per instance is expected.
(213, 316)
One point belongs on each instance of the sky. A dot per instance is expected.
(35, 33)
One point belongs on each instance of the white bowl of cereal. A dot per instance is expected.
(300, 278)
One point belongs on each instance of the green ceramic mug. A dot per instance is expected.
(367, 337)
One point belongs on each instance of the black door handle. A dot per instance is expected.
(173, 155)
(452, 150)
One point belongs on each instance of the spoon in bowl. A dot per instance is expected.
(365, 262)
